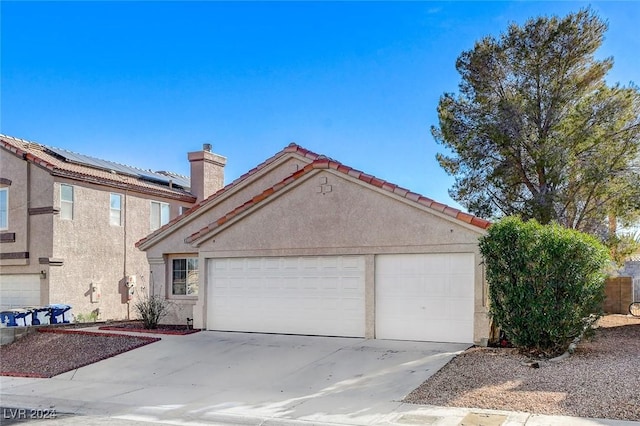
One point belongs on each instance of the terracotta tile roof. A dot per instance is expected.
(42, 156)
(291, 148)
(326, 163)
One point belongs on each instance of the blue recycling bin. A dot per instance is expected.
(11, 316)
(56, 310)
(8, 318)
(34, 311)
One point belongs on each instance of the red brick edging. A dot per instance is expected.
(96, 333)
(144, 330)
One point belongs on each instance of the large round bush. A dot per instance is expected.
(546, 282)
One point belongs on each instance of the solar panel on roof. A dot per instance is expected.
(148, 175)
(74, 157)
(151, 177)
(177, 179)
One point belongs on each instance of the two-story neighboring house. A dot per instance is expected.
(69, 224)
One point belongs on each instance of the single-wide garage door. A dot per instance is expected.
(19, 290)
(316, 295)
(428, 297)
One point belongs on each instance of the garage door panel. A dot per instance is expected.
(459, 264)
(425, 297)
(459, 286)
(19, 290)
(435, 309)
(352, 263)
(351, 285)
(351, 307)
(404, 314)
(433, 286)
(331, 286)
(300, 295)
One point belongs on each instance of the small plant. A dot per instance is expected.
(151, 310)
(90, 317)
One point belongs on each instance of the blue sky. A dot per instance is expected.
(143, 83)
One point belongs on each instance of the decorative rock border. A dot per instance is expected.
(144, 330)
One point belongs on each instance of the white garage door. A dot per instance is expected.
(19, 290)
(292, 295)
(426, 297)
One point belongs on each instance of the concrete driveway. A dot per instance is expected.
(214, 377)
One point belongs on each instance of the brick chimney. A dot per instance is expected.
(207, 172)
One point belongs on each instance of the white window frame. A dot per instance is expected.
(4, 213)
(188, 274)
(163, 212)
(68, 203)
(113, 211)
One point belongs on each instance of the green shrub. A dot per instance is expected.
(90, 317)
(151, 310)
(546, 283)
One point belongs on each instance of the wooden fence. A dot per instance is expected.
(618, 295)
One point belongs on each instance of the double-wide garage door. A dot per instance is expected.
(425, 297)
(295, 295)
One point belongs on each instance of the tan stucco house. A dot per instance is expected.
(304, 244)
(69, 224)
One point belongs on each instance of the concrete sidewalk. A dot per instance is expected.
(213, 378)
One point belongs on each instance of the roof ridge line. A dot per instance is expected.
(2, 135)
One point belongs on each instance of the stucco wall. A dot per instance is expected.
(16, 171)
(353, 217)
(94, 252)
(30, 189)
(160, 254)
(174, 242)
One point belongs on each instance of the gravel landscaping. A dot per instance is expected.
(50, 352)
(599, 380)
